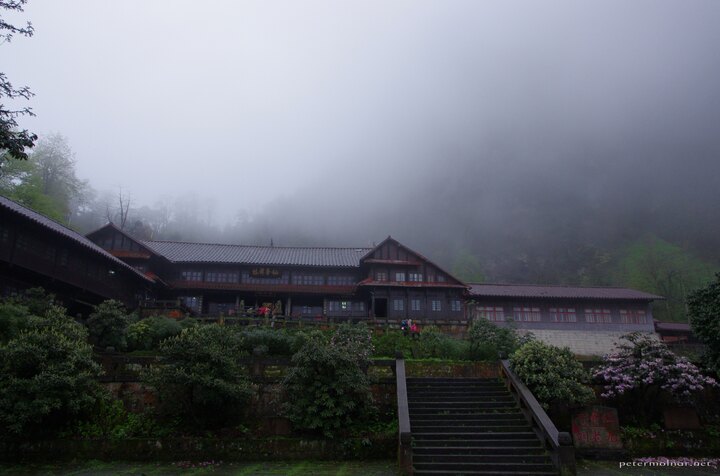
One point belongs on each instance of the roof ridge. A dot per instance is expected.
(550, 285)
(43, 215)
(260, 246)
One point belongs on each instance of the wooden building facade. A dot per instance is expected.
(37, 251)
(537, 307)
(386, 281)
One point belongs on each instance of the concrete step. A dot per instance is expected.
(456, 448)
(464, 467)
(478, 417)
(481, 458)
(459, 404)
(478, 436)
(480, 445)
(468, 429)
(441, 472)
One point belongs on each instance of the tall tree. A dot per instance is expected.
(46, 182)
(13, 142)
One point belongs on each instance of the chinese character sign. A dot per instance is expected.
(596, 427)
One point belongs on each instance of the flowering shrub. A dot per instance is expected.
(704, 312)
(646, 362)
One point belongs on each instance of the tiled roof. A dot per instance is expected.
(66, 232)
(673, 326)
(567, 292)
(180, 252)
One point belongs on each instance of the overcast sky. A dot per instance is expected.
(246, 102)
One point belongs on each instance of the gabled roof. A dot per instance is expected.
(182, 252)
(566, 292)
(115, 228)
(58, 229)
(413, 252)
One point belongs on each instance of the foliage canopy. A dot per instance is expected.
(704, 312)
(47, 374)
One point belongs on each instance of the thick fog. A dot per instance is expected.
(531, 136)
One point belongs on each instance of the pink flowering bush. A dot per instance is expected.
(645, 367)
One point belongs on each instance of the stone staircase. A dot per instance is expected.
(471, 427)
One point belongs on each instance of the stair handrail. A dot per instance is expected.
(404, 432)
(562, 451)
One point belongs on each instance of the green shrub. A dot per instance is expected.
(484, 337)
(107, 325)
(354, 339)
(201, 382)
(108, 419)
(327, 390)
(269, 341)
(47, 375)
(433, 343)
(552, 374)
(391, 342)
(148, 333)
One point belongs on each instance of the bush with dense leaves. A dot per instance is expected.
(643, 367)
(704, 312)
(107, 325)
(147, 334)
(487, 338)
(552, 374)
(328, 391)
(390, 343)
(355, 339)
(47, 375)
(432, 343)
(201, 381)
(263, 340)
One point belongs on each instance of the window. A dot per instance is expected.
(307, 310)
(381, 276)
(563, 314)
(633, 317)
(598, 316)
(358, 306)
(436, 305)
(526, 314)
(400, 277)
(308, 279)
(191, 275)
(414, 304)
(430, 278)
(224, 277)
(415, 277)
(398, 304)
(340, 280)
(455, 305)
(440, 278)
(491, 313)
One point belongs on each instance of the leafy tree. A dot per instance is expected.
(552, 374)
(108, 324)
(47, 375)
(704, 312)
(643, 367)
(327, 387)
(657, 266)
(201, 381)
(13, 141)
(46, 182)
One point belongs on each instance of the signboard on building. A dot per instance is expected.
(265, 272)
(596, 427)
